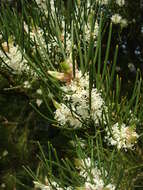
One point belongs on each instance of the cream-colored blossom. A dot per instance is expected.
(27, 84)
(76, 110)
(116, 18)
(88, 34)
(89, 170)
(120, 2)
(14, 58)
(39, 91)
(39, 102)
(122, 136)
(103, 2)
(49, 186)
(124, 23)
(41, 186)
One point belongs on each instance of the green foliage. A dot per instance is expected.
(33, 143)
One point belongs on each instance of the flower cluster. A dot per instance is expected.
(75, 110)
(49, 186)
(120, 2)
(122, 136)
(88, 32)
(117, 19)
(36, 35)
(103, 2)
(14, 58)
(88, 171)
(42, 4)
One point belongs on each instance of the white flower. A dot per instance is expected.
(41, 186)
(15, 60)
(103, 2)
(122, 136)
(124, 23)
(39, 102)
(37, 35)
(64, 116)
(87, 31)
(49, 186)
(89, 170)
(3, 185)
(76, 110)
(120, 2)
(27, 84)
(39, 91)
(42, 5)
(5, 153)
(116, 18)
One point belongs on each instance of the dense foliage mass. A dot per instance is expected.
(71, 113)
